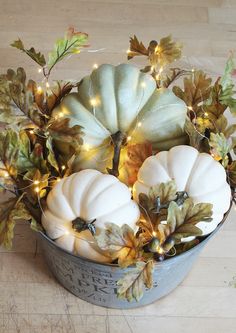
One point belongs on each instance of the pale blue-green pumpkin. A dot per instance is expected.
(121, 98)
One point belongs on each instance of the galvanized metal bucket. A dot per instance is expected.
(96, 283)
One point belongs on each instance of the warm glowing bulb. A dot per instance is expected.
(60, 114)
(93, 101)
(160, 70)
(193, 70)
(95, 66)
(37, 189)
(39, 90)
(190, 108)
(67, 232)
(128, 51)
(129, 138)
(63, 167)
(160, 250)
(139, 124)
(154, 233)
(6, 174)
(36, 182)
(58, 179)
(143, 84)
(157, 77)
(205, 114)
(131, 189)
(39, 70)
(47, 84)
(86, 147)
(31, 132)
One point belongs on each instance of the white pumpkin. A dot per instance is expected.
(121, 98)
(90, 195)
(203, 178)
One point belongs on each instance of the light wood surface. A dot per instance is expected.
(31, 301)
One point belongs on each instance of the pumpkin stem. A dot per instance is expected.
(118, 140)
(79, 225)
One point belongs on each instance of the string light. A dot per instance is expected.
(39, 90)
(47, 84)
(143, 84)
(160, 250)
(31, 132)
(58, 179)
(6, 174)
(129, 138)
(93, 101)
(67, 232)
(139, 124)
(86, 147)
(160, 70)
(95, 66)
(192, 70)
(40, 70)
(37, 189)
(36, 182)
(63, 167)
(206, 114)
(60, 114)
(190, 108)
(128, 51)
(154, 233)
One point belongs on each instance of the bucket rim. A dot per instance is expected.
(156, 263)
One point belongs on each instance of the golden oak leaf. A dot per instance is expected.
(131, 286)
(121, 243)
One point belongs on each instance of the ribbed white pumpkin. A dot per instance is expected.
(90, 195)
(203, 178)
(121, 98)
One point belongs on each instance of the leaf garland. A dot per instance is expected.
(131, 286)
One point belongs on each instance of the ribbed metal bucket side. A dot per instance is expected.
(97, 283)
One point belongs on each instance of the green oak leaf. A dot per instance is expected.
(38, 57)
(181, 221)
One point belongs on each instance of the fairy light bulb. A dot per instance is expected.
(129, 138)
(47, 84)
(67, 232)
(86, 147)
(60, 114)
(63, 167)
(58, 179)
(40, 70)
(160, 70)
(143, 84)
(192, 70)
(139, 124)
(36, 182)
(95, 66)
(128, 51)
(190, 108)
(160, 250)
(93, 102)
(154, 233)
(31, 132)
(36, 189)
(206, 114)
(6, 174)
(39, 90)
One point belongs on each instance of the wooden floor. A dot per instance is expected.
(31, 301)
